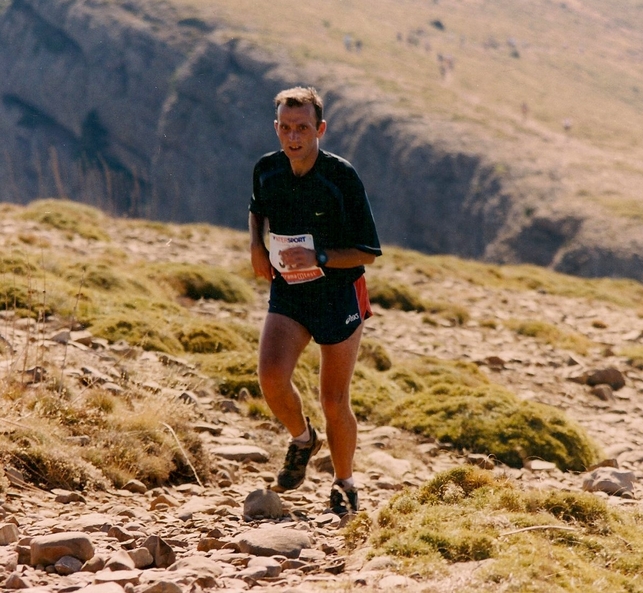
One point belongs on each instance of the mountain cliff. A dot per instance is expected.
(142, 111)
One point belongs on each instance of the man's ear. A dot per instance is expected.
(277, 126)
(321, 128)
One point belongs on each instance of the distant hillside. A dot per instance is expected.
(493, 130)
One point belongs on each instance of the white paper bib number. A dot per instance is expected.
(279, 243)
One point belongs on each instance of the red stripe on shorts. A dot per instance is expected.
(363, 301)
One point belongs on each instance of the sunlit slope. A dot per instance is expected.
(564, 59)
(513, 73)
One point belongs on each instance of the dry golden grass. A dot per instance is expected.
(391, 276)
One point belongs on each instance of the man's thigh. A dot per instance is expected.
(337, 366)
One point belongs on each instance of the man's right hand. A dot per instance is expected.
(261, 262)
(259, 255)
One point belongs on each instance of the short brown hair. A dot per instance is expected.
(298, 97)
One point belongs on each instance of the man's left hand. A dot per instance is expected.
(297, 258)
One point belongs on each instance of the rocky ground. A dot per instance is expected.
(236, 534)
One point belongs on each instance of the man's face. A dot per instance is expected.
(299, 135)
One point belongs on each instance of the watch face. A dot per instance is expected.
(322, 258)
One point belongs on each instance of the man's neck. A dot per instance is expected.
(300, 168)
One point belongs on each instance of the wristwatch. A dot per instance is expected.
(322, 257)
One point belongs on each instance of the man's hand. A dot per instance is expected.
(297, 258)
(261, 262)
(259, 256)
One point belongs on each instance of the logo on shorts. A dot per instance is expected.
(353, 317)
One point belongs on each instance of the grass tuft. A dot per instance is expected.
(393, 295)
(538, 540)
(372, 354)
(232, 371)
(127, 437)
(195, 281)
(138, 328)
(550, 334)
(212, 337)
(455, 403)
(73, 218)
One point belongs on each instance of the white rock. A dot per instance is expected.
(610, 480)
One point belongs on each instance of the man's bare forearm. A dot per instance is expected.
(256, 226)
(348, 258)
(258, 252)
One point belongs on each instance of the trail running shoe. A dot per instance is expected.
(343, 500)
(293, 472)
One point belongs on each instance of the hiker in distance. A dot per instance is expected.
(311, 207)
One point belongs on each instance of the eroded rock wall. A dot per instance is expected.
(99, 105)
(81, 96)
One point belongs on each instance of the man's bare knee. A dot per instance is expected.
(334, 407)
(274, 386)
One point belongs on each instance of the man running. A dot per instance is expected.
(312, 208)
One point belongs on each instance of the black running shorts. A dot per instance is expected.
(330, 312)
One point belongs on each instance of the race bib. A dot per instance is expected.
(279, 243)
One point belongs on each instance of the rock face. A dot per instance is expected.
(100, 105)
(141, 112)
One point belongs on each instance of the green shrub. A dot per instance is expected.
(200, 281)
(17, 298)
(258, 409)
(373, 354)
(465, 479)
(455, 403)
(232, 371)
(358, 530)
(550, 334)
(148, 331)
(452, 312)
(571, 507)
(16, 264)
(73, 217)
(95, 275)
(211, 337)
(468, 514)
(465, 546)
(415, 522)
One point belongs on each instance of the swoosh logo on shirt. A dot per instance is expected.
(319, 213)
